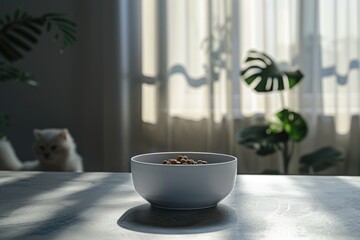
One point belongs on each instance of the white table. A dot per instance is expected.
(36, 205)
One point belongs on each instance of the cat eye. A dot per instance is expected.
(42, 147)
(53, 147)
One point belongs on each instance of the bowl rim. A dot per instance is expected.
(234, 159)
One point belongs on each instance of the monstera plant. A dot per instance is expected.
(19, 32)
(261, 73)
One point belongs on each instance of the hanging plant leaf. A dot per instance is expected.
(7, 18)
(48, 26)
(261, 139)
(8, 72)
(17, 14)
(7, 51)
(32, 27)
(293, 124)
(26, 35)
(63, 20)
(260, 66)
(24, 15)
(18, 42)
(320, 160)
(20, 32)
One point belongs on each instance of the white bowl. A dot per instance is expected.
(183, 186)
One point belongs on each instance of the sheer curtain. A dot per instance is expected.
(192, 97)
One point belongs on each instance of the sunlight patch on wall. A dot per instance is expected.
(354, 87)
(148, 103)
(340, 84)
(328, 96)
(185, 101)
(219, 98)
(176, 32)
(149, 38)
(283, 31)
(186, 34)
(250, 101)
(339, 101)
(342, 117)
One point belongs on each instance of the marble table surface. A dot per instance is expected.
(35, 205)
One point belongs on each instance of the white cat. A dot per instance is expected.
(55, 150)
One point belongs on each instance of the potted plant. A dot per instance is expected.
(290, 127)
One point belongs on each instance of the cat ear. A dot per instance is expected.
(64, 133)
(37, 134)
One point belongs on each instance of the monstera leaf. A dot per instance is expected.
(20, 31)
(320, 160)
(261, 139)
(293, 124)
(262, 70)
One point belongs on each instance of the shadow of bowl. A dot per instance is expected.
(149, 219)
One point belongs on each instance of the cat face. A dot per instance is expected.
(52, 145)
